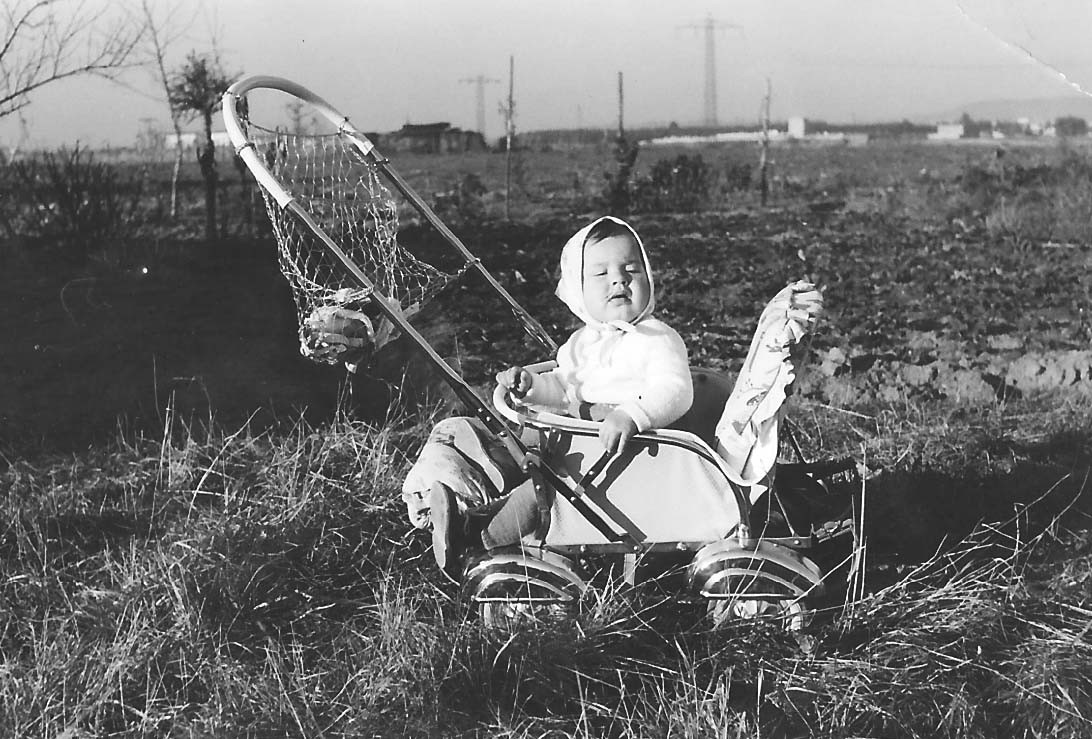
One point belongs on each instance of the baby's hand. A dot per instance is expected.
(806, 302)
(617, 429)
(515, 380)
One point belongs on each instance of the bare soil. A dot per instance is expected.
(914, 311)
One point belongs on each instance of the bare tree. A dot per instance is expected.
(44, 41)
(162, 31)
(196, 90)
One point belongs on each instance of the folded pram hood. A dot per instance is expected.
(747, 433)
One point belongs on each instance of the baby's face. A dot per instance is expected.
(616, 287)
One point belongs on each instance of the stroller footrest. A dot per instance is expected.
(824, 469)
(832, 529)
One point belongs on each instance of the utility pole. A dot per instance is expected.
(149, 138)
(763, 161)
(294, 110)
(710, 26)
(510, 130)
(621, 109)
(625, 154)
(480, 82)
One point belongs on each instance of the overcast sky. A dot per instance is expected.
(388, 62)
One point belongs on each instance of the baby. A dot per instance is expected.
(632, 368)
(622, 367)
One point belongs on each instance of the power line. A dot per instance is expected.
(480, 82)
(710, 26)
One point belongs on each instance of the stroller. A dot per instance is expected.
(671, 496)
(747, 551)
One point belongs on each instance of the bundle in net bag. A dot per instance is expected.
(334, 334)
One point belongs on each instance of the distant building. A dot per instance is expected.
(1010, 129)
(797, 127)
(433, 138)
(188, 140)
(947, 132)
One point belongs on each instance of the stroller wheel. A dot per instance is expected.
(507, 616)
(793, 614)
(512, 589)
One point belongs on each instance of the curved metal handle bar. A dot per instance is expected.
(245, 148)
(367, 149)
(390, 308)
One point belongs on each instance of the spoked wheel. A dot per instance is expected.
(507, 616)
(792, 613)
(513, 589)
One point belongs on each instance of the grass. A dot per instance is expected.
(209, 583)
(229, 581)
(960, 646)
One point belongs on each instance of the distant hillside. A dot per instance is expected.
(1037, 109)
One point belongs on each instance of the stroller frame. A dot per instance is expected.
(740, 572)
(733, 567)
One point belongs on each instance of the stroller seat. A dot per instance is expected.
(711, 391)
(669, 489)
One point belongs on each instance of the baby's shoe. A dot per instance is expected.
(455, 533)
(445, 523)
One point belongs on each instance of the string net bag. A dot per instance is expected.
(344, 193)
(327, 192)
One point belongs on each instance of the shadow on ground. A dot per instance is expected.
(912, 515)
(86, 351)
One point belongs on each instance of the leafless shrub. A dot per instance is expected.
(67, 196)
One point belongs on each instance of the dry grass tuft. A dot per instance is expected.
(223, 584)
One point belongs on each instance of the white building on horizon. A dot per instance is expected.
(947, 132)
(190, 139)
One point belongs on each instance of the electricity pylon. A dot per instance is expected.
(710, 26)
(480, 82)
